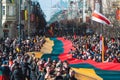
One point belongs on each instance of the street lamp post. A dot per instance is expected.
(19, 24)
(84, 7)
(0, 15)
(29, 3)
(89, 12)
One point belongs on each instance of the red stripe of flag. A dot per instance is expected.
(101, 17)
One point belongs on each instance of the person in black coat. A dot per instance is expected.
(33, 73)
(17, 73)
(58, 76)
(25, 69)
(72, 75)
(5, 70)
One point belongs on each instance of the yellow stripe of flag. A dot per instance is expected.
(86, 74)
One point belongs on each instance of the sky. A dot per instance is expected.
(46, 6)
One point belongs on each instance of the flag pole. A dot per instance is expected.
(102, 43)
(103, 52)
(83, 14)
(103, 47)
(98, 17)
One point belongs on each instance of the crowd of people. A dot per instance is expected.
(88, 47)
(29, 68)
(15, 64)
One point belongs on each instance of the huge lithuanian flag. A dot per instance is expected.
(58, 48)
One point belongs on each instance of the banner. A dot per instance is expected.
(32, 17)
(23, 14)
(26, 14)
(118, 14)
(11, 1)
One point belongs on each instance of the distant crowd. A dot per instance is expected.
(88, 47)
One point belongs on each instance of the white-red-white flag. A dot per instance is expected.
(98, 17)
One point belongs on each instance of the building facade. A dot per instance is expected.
(0, 16)
(8, 19)
(29, 18)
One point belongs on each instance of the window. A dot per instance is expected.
(6, 26)
(11, 10)
(3, 10)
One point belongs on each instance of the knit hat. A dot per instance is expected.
(5, 62)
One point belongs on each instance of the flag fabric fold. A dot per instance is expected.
(98, 17)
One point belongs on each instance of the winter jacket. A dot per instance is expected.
(17, 75)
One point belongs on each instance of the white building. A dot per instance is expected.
(8, 19)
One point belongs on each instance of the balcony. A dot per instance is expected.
(9, 18)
